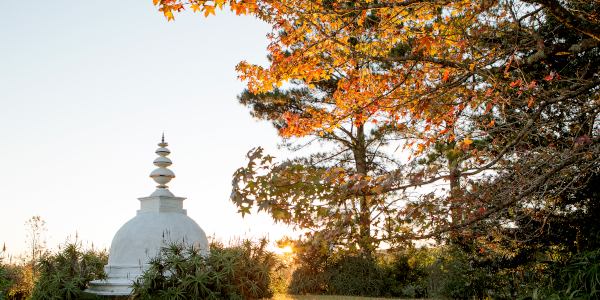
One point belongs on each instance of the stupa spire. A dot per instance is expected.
(162, 175)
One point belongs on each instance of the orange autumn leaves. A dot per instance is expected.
(394, 63)
(169, 7)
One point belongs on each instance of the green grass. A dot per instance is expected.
(315, 297)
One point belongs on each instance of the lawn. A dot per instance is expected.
(315, 297)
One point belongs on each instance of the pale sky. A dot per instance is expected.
(86, 89)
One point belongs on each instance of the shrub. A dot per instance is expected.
(15, 281)
(406, 272)
(460, 273)
(466, 275)
(578, 278)
(307, 281)
(5, 281)
(392, 273)
(355, 276)
(65, 275)
(182, 272)
(310, 276)
(281, 274)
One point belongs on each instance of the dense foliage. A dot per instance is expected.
(183, 272)
(474, 124)
(5, 281)
(447, 272)
(65, 274)
(16, 281)
(495, 100)
(394, 273)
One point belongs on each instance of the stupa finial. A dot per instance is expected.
(162, 175)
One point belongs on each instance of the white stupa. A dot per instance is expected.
(160, 220)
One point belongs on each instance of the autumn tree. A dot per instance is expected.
(306, 191)
(495, 100)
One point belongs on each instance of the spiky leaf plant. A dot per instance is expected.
(65, 275)
(181, 272)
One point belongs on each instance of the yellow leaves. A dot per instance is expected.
(208, 10)
(169, 15)
(362, 18)
(168, 7)
(208, 7)
(238, 8)
(465, 144)
(219, 3)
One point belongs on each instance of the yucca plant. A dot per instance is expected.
(581, 277)
(64, 275)
(181, 272)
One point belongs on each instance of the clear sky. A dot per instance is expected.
(87, 87)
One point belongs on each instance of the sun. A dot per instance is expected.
(287, 249)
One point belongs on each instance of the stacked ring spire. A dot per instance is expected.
(162, 175)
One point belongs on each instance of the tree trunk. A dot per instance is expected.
(362, 168)
(456, 211)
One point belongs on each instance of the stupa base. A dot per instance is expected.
(110, 287)
(119, 282)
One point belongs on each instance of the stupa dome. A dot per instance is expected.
(143, 235)
(160, 220)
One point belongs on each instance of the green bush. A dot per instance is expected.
(310, 277)
(65, 275)
(581, 277)
(406, 272)
(578, 278)
(281, 274)
(16, 281)
(461, 279)
(392, 273)
(307, 281)
(182, 272)
(343, 275)
(355, 276)
(462, 274)
(5, 281)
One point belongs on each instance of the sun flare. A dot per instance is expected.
(284, 250)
